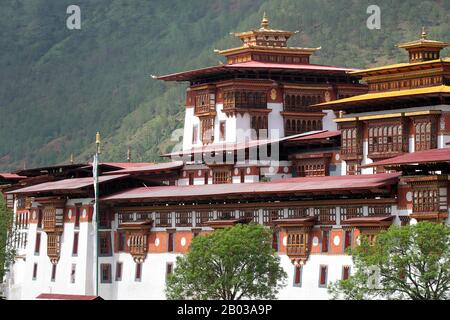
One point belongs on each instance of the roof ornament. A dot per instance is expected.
(424, 33)
(98, 141)
(265, 22)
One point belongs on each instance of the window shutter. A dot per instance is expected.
(116, 241)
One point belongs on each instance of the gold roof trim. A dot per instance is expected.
(388, 94)
(399, 65)
(389, 116)
(269, 49)
(382, 116)
(422, 113)
(338, 120)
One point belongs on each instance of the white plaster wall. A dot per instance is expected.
(189, 121)
(230, 126)
(327, 122)
(276, 123)
(443, 139)
(309, 289)
(247, 179)
(153, 278)
(24, 287)
(242, 127)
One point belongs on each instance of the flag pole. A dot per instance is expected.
(96, 208)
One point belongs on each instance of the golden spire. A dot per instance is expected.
(424, 33)
(265, 22)
(97, 141)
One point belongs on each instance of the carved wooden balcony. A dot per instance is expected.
(298, 245)
(54, 247)
(137, 234)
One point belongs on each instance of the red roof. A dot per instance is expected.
(186, 75)
(149, 168)
(221, 147)
(125, 165)
(55, 296)
(433, 155)
(11, 176)
(283, 186)
(66, 184)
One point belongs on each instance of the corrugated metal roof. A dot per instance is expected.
(283, 186)
(66, 184)
(221, 147)
(125, 165)
(11, 176)
(186, 75)
(149, 168)
(433, 155)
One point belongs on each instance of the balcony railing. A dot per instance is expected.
(297, 251)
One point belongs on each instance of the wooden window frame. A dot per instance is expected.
(35, 271)
(323, 275)
(348, 241)
(119, 271)
(37, 244)
(169, 269)
(76, 239)
(222, 130)
(183, 219)
(105, 269)
(77, 217)
(138, 272)
(104, 236)
(298, 276)
(165, 222)
(346, 272)
(325, 241)
(53, 273)
(170, 242)
(73, 273)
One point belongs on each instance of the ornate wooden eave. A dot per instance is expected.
(440, 215)
(382, 222)
(306, 222)
(241, 111)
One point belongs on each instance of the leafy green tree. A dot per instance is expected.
(228, 264)
(410, 262)
(6, 252)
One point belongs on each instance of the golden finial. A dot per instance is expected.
(97, 141)
(71, 158)
(129, 154)
(265, 22)
(424, 33)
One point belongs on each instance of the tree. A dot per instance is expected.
(228, 264)
(7, 252)
(410, 262)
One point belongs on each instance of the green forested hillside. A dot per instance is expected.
(59, 86)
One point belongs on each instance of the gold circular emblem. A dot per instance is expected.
(273, 94)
